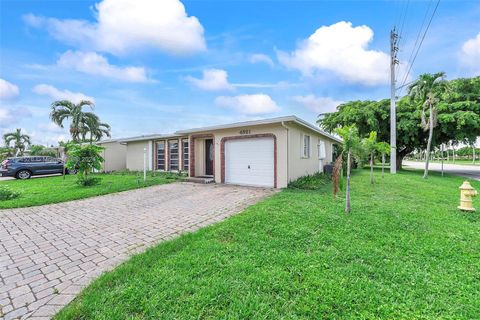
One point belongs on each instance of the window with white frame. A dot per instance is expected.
(306, 146)
(185, 154)
(161, 155)
(173, 155)
(322, 154)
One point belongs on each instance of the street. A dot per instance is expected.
(468, 171)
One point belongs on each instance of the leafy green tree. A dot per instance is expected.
(36, 149)
(6, 152)
(351, 146)
(39, 150)
(20, 141)
(84, 158)
(384, 149)
(369, 146)
(66, 110)
(458, 115)
(426, 91)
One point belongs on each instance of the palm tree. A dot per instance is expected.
(369, 145)
(384, 149)
(426, 90)
(351, 146)
(95, 128)
(64, 109)
(20, 141)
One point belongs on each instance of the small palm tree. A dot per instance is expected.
(426, 90)
(64, 109)
(351, 146)
(20, 141)
(369, 145)
(383, 148)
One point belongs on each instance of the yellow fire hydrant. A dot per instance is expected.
(466, 194)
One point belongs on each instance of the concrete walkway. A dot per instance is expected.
(468, 171)
(49, 253)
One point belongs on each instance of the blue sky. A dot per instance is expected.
(159, 66)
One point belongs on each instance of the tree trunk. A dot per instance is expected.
(442, 159)
(347, 196)
(383, 164)
(371, 169)
(429, 143)
(400, 156)
(473, 150)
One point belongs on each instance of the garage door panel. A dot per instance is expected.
(250, 162)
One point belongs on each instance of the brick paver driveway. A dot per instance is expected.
(48, 253)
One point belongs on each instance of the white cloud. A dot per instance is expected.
(317, 104)
(51, 128)
(128, 25)
(8, 91)
(248, 103)
(470, 54)
(96, 64)
(56, 94)
(212, 80)
(6, 117)
(9, 116)
(261, 58)
(343, 50)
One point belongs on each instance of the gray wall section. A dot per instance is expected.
(115, 156)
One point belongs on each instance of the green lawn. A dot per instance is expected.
(54, 189)
(405, 252)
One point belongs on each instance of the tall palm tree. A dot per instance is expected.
(20, 141)
(95, 128)
(426, 90)
(64, 109)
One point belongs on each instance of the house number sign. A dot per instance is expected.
(245, 131)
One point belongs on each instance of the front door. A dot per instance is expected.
(209, 157)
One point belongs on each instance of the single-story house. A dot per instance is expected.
(266, 153)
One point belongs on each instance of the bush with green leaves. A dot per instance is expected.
(84, 158)
(310, 182)
(7, 194)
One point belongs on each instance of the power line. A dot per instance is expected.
(402, 17)
(405, 14)
(418, 35)
(420, 45)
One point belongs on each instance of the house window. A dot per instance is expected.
(322, 154)
(185, 154)
(161, 155)
(173, 154)
(306, 146)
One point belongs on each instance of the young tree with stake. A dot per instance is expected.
(369, 145)
(384, 149)
(351, 146)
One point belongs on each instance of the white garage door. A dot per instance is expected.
(250, 162)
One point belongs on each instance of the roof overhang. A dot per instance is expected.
(149, 137)
(293, 119)
(182, 133)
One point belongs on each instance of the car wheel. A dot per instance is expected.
(23, 174)
(72, 171)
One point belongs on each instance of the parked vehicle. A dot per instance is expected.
(26, 167)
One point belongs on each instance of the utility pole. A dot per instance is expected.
(393, 112)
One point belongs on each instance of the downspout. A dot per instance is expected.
(288, 150)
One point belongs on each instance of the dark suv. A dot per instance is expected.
(25, 167)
